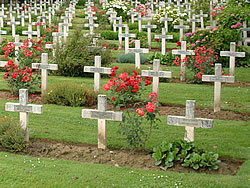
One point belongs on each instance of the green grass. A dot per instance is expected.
(19, 171)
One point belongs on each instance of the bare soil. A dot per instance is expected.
(47, 148)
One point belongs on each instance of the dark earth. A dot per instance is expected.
(47, 148)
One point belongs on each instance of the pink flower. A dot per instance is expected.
(107, 87)
(153, 96)
(140, 111)
(193, 45)
(203, 40)
(150, 107)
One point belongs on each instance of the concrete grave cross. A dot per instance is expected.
(29, 32)
(114, 19)
(127, 36)
(156, 74)
(18, 44)
(22, 16)
(190, 122)
(102, 116)
(132, 13)
(91, 19)
(169, 3)
(2, 16)
(44, 66)
(37, 24)
(43, 18)
(189, 11)
(2, 33)
(49, 12)
(91, 27)
(51, 46)
(232, 54)
(166, 20)
(97, 70)
(245, 29)
(178, 5)
(120, 26)
(13, 23)
(183, 52)
(139, 19)
(11, 12)
(30, 12)
(2, 8)
(57, 36)
(137, 50)
(193, 20)
(163, 37)
(35, 8)
(217, 79)
(24, 108)
(181, 27)
(149, 27)
(187, 4)
(202, 16)
(213, 26)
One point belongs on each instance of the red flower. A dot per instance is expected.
(150, 107)
(60, 11)
(153, 96)
(107, 87)
(123, 76)
(115, 48)
(140, 111)
(178, 43)
(157, 39)
(113, 98)
(44, 36)
(28, 53)
(102, 12)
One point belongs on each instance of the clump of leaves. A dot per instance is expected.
(186, 154)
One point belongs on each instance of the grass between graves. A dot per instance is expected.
(65, 123)
(25, 171)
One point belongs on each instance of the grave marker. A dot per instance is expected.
(190, 122)
(29, 32)
(163, 37)
(24, 108)
(193, 20)
(2, 33)
(102, 116)
(120, 26)
(97, 70)
(202, 16)
(149, 27)
(22, 16)
(217, 79)
(137, 50)
(13, 23)
(127, 36)
(181, 27)
(2, 16)
(166, 19)
(156, 74)
(45, 67)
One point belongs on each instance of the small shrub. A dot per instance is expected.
(167, 59)
(109, 35)
(133, 26)
(11, 135)
(20, 29)
(70, 94)
(130, 58)
(186, 154)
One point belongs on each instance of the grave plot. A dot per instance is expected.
(71, 40)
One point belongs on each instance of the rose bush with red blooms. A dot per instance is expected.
(18, 78)
(125, 91)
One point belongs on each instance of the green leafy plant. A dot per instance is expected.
(186, 154)
(167, 59)
(70, 94)
(11, 135)
(109, 35)
(130, 58)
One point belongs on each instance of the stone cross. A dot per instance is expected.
(139, 19)
(181, 27)
(22, 16)
(211, 10)
(183, 52)
(132, 13)
(163, 37)
(13, 23)
(11, 12)
(193, 20)
(43, 18)
(232, 54)
(190, 122)
(49, 12)
(45, 67)
(245, 29)
(137, 50)
(91, 27)
(18, 9)
(2, 16)
(29, 14)
(189, 11)
(91, 19)
(29, 32)
(120, 26)
(202, 16)
(213, 26)
(127, 36)
(18, 44)
(156, 74)
(66, 22)
(37, 24)
(2, 33)
(149, 27)
(217, 79)
(114, 18)
(51, 46)
(166, 19)
(24, 108)
(102, 116)
(35, 8)
(97, 70)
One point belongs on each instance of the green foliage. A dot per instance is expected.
(130, 58)
(20, 29)
(70, 94)
(167, 59)
(128, 69)
(76, 54)
(82, 2)
(133, 26)
(8, 30)
(186, 154)
(109, 35)
(11, 135)
(203, 5)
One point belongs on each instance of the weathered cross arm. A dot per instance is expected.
(152, 73)
(138, 50)
(30, 108)
(98, 70)
(196, 123)
(44, 66)
(212, 78)
(234, 54)
(105, 115)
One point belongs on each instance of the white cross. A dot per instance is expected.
(166, 19)
(114, 19)
(13, 23)
(91, 27)
(120, 26)
(139, 19)
(156, 74)
(102, 115)
(137, 50)
(37, 24)
(245, 29)
(22, 16)
(11, 12)
(127, 36)
(217, 79)
(2, 33)
(232, 54)
(45, 67)
(35, 8)
(190, 122)
(3, 63)
(163, 37)
(132, 13)
(202, 16)
(29, 32)
(181, 27)
(149, 27)
(17, 45)
(29, 14)
(2, 16)
(51, 46)
(183, 52)
(49, 12)
(24, 108)
(97, 70)
(193, 20)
